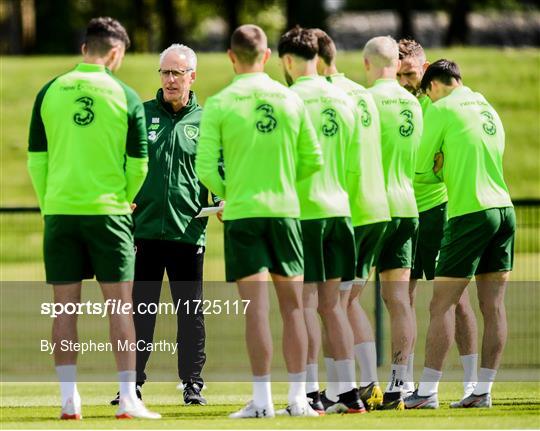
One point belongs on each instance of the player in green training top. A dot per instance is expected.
(328, 236)
(87, 158)
(370, 214)
(431, 200)
(401, 129)
(268, 145)
(463, 146)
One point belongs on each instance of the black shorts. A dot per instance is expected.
(253, 245)
(478, 243)
(76, 247)
(397, 244)
(427, 242)
(368, 239)
(328, 249)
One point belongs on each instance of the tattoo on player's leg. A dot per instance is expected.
(397, 357)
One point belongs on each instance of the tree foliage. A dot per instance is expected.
(57, 26)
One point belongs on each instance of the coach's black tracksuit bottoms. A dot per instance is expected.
(184, 265)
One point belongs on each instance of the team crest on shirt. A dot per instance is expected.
(191, 131)
(155, 120)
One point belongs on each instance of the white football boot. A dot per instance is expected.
(250, 410)
(134, 409)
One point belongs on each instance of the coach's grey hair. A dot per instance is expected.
(182, 51)
(382, 51)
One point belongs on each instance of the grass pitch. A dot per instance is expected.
(33, 406)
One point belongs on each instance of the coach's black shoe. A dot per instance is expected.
(192, 394)
(116, 401)
(314, 399)
(348, 402)
(326, 402)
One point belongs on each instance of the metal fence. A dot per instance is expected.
(21, 249)
(21, 259)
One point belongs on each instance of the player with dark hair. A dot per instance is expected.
(328, 236)
(431, 200)
(87, 158)
(463, 146)
(370, 214)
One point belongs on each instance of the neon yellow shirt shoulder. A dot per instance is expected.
(367, 193)
(401, 130)
(87, 151)
(324, 194)
(267, 141)
(470, 134)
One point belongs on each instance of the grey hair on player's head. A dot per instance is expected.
(382, 51)
(183, 51)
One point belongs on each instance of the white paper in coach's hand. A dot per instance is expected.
(208, 211)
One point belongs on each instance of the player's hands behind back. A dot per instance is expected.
(438, 162)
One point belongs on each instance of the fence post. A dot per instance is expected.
(379, 321)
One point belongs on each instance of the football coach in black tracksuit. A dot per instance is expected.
(167, 234)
